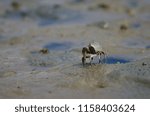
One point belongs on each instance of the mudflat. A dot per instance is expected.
(41, 44)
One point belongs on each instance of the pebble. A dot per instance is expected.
(44, 51)
(123, 27)
(15, 5)
(103, 6)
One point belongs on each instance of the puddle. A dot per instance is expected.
(146, 1)
(110, 60)
(144, 16)
(16, 14)
(44, 14)
(136, 3)
(136, 43)
(1, 37)
(136, 25)
(59, 46)
(78, 1)
(55, 14)
(133, 3)
(115, 60)
(148, 47)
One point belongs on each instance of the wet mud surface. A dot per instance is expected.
(41, 44)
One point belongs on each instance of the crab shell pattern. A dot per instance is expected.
(94, 49)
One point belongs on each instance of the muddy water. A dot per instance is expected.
(41, 43)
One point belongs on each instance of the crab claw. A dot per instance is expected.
(99, 59)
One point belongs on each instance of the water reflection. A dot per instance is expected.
(115, 60)
(59, 45)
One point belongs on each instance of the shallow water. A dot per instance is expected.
(136, 43)
(115, 60)
(43, 14)
(136, 25)
(59, 46)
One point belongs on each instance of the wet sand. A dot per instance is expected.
(63, 27)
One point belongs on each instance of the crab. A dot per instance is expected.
(93, 50)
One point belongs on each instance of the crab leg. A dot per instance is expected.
(92, 57)
(104, 56)
(99, 57)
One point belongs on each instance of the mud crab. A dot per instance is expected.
(92, 50)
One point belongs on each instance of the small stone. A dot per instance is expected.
(44, 51)
(49, 92)
(78, 1)
(103, 6)
(18, 87)
(123, 27)
(143, 64)
(99, 6)
(131, 12)
(15, 5)
(56, 6)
